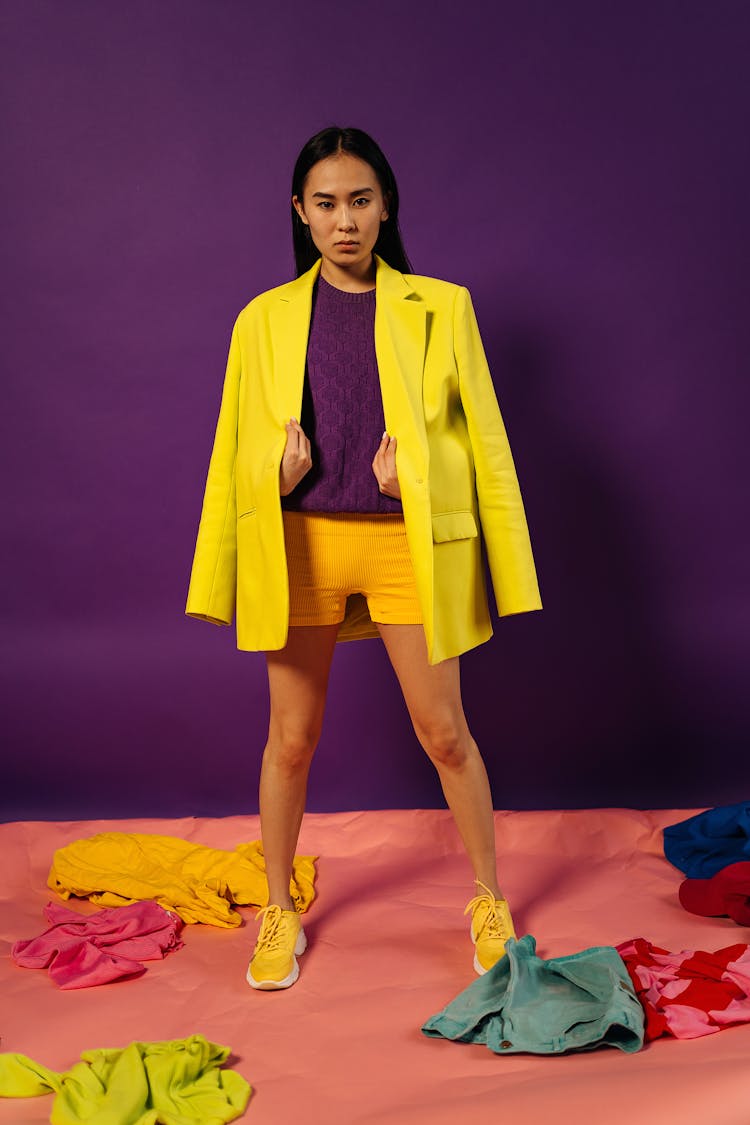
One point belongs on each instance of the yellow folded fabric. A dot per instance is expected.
(198, 883)
(175, 1082)
(21, 1077)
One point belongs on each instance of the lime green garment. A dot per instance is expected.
(199, 883)
(176, 1082)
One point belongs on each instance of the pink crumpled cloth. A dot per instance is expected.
(82, 950)
(690, 993)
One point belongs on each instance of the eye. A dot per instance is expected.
(362, 201)
(324, 204)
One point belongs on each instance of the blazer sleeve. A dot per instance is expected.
(501, 510)
(212, 590)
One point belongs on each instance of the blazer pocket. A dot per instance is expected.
(247, 512)
(453, 525)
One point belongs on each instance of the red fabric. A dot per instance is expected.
(691, 993)
(726, 892)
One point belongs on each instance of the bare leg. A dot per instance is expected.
(297, 681)
(432, 694)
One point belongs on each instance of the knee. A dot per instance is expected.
(290, 749)
(448, 744)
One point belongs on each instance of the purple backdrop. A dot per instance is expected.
(584, 171)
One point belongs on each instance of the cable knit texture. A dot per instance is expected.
(342, 408)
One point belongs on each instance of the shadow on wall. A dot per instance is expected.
(578, 712)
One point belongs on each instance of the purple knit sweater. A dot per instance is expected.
(342, 409)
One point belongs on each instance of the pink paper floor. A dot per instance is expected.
(388, 948)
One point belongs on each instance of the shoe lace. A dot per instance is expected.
(272, 931)
(495, 925)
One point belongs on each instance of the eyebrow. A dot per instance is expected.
(328, 195)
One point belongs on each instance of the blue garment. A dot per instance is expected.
(573, 1003)
(709, 841)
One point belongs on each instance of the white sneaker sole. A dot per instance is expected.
(288, 981)
(479, 968)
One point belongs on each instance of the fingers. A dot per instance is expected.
(295, 435)
(387, 447)
(384, 467)
(296, 459)
(297, 443)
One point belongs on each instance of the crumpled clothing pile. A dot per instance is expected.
(713, 849)
(691, 993)
(176, 1082)
(83, 950)
(705, 843)
(525, 1003)
(198, 883)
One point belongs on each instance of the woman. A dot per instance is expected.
(317, 528)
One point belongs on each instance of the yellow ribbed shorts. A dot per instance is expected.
(332, 555)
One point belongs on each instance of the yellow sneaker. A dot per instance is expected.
(491, 926)
(274, 964)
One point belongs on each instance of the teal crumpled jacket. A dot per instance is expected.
(526, 1004)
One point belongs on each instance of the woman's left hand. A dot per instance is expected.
(384, 468)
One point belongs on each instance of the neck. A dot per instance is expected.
(357, 278)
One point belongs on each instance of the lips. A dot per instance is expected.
(346, 243)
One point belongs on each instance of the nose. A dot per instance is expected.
(345, 220)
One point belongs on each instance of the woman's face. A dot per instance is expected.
(343, 205)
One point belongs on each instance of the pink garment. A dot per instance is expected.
(82, 950)
(691, 993)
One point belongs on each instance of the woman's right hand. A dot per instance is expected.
(296, 460)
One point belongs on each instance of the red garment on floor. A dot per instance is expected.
(691, 993)
(82, 950)
(726, 892)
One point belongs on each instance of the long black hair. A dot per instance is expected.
(330, 142)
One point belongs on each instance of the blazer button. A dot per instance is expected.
(419, 480)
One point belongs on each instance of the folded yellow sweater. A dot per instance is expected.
(198, 883)
(176, 1082)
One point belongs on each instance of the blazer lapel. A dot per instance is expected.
(400, 339)
(290, 328)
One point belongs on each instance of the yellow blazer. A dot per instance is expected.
(454, 463)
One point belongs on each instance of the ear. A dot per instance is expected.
(386, 204)
(297, 205)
